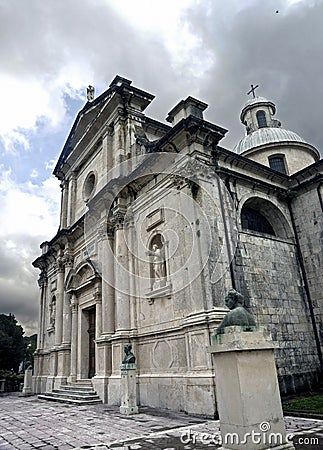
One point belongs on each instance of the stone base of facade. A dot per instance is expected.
(39, 384)
(50, 384)
(100, 384)
(59, 381)
(192, 394)
(298, 382)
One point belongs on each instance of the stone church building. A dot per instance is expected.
(158, 221)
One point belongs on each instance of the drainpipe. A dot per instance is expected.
(306, 286)
(320, 195)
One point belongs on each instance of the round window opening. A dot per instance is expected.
(89, 185)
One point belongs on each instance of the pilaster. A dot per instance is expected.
(121, 270)
(74, 337)
(59, 301)
(106, 256)
(71, 199)
(42, 282)
(64, 204)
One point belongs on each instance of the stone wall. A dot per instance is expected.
(269, 275)
(309, 225)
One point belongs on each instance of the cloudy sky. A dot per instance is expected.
(50, 50)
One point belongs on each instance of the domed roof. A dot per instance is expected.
(264, 136)
(254, 100)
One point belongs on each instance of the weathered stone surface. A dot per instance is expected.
(187, 197)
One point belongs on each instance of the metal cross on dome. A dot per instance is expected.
(252, 90)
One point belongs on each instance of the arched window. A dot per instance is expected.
(255, 221)
(277, 162)
(261, 119)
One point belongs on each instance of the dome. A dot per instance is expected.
(264, 136)
(255, 100)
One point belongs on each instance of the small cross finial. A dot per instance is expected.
(252, 90)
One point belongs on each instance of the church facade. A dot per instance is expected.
(157, 223)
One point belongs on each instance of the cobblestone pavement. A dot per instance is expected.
(29, 423)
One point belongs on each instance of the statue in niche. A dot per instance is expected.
(158, 265)
(158, 262)
(52, 312)
(238, 315)
(129, 356)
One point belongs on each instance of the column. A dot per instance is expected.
(108, 292)
(67, 319)
(64, 200)
(71, 199)
(42, 282)
(74, 312)
(98, 313)
(59, 302)
(121, 279)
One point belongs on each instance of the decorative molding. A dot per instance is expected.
(59, 265)
(155, 218)
(161, 292)
(68, 260)
(42, 280)
(74, 303)
(162, 354)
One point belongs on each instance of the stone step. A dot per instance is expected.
(75, 388)
(84, 382)
(76, 401)
(78, 396)
(74, 392)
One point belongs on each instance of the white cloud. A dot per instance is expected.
(27, 208)
(34, 173)
(49, 165)
(28, 215)
(166, 20)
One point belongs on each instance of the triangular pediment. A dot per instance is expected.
(95, 115)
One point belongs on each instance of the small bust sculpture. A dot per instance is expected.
(130, 357)
(238, 315)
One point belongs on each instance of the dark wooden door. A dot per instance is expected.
(91, 342)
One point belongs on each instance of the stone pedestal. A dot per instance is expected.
(28, 383)
(247, 391)
(128, 389)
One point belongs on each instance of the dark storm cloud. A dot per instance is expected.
(282, 52)
(247, 42)
(18, 289)
(241, 42)
(38, 38)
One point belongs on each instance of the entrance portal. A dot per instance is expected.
(91, 331)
